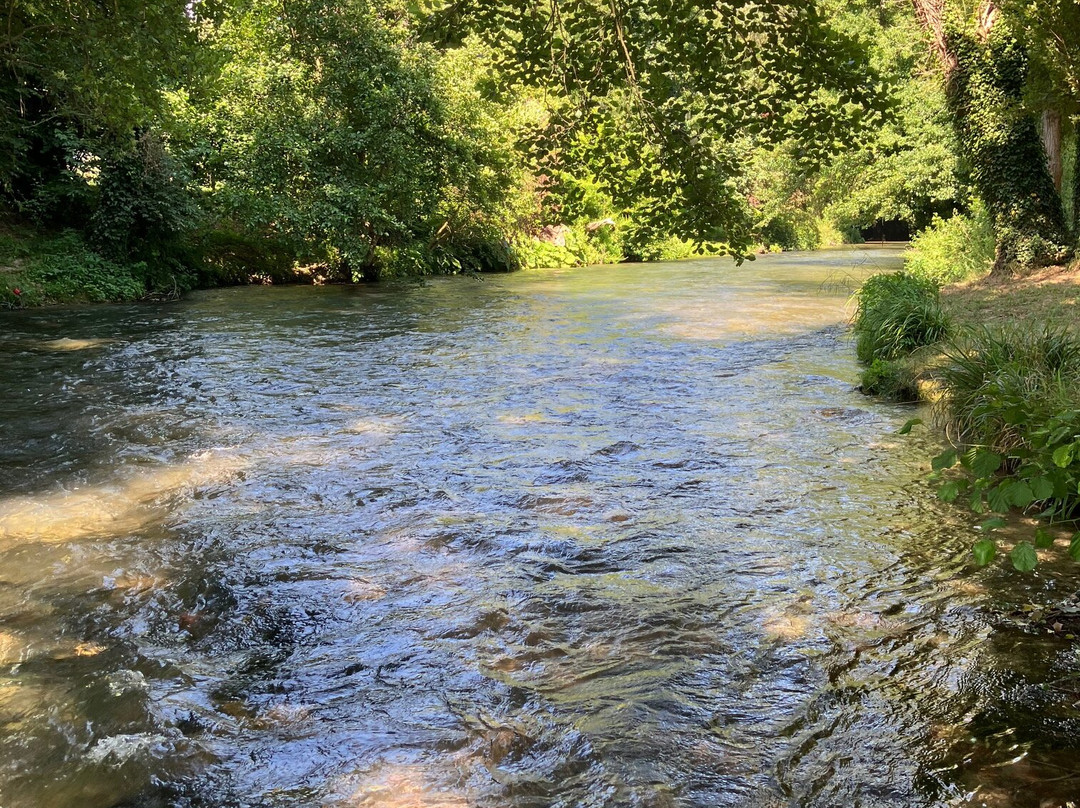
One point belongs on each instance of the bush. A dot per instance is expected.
(791, 231)
(895, 380)
(1014, 403)
(604, 245)
(63, 269)
(897, 314)
(954, 249)
(225, 257)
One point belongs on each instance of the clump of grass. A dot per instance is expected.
(1013, 406)
(1002, 384)
(897, 314)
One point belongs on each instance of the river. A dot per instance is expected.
(618, 536)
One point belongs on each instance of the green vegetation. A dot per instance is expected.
(897, 314)
(225, 142)
(1014, 402)
(1007, 395)
(952, 250)
(53, 269)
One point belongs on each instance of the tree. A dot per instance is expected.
(77, 78)
(686, 79)
(986, 66)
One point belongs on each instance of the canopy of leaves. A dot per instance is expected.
(687, 79)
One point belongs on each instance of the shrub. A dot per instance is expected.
(1014, 405)
(224, 256)
(63, 269)
(954, 249)
(897, 314)
(895, 380)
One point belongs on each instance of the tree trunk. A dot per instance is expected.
(985, 73)
(1050, 129)
(1076, 179)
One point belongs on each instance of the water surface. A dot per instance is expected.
(620, 536)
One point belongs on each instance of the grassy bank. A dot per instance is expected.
(1000, 360)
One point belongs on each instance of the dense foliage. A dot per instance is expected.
(223, 142)
(365, 137)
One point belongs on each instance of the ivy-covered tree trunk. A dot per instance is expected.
(985, 75)
(1076, 178)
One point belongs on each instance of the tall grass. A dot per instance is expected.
(897, 314)
(1014, 400)
(1003, 383)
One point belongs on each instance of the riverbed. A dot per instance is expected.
(610, 536)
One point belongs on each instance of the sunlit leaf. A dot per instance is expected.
(906, 428)
(1063, 455)
(1023, 557)
(984, 551)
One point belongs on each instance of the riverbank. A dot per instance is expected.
(1049, 296)
(50, 268)
(1000, 360)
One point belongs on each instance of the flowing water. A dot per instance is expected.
(619, 536)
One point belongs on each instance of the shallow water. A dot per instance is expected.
(619, 536)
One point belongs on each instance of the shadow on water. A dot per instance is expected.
(601, 537)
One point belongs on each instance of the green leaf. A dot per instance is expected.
(906, 428)
(949, 492)
(992, 524)
(1042, 488)
(1024, 557)
(1044, 538)
(984, 463)
(984, 551)
(1059, 434)
(945, 460)
(999, 498)
(1020, 493)
(1063, 455)
(1074, 547)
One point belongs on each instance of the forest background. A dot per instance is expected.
(147, 149)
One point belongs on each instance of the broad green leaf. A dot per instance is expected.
(944, 460)
(1074, 547)
(999, 498)
(906, 428)
(1044, 538)
(1020, 493)
(1063, 455)
(992, 524)
(1024, 557)
(984, 463)
(949, 492)
(984, 551)
(1042, 488)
